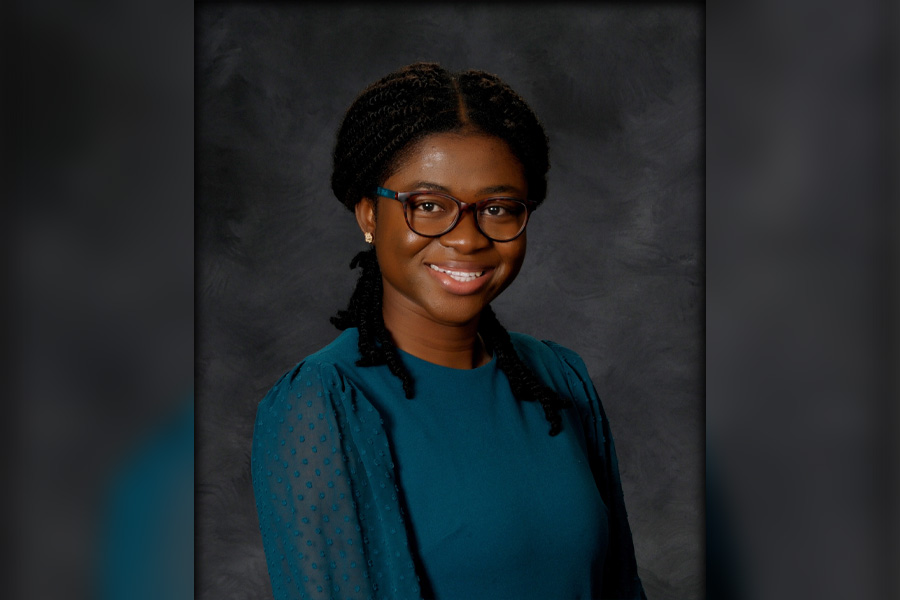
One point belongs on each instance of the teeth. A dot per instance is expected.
(459, 275)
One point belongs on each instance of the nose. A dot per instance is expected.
(465, 236)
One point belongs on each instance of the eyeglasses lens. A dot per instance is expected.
(500, 219)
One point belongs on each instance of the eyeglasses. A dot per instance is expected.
(432, 214)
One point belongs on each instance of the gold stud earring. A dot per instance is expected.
(369, 238)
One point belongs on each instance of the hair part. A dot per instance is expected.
(422, 99)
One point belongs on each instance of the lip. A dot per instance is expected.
(455, 286)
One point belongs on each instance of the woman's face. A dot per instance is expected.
(414, 268)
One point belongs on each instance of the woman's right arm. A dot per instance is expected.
(304, 493)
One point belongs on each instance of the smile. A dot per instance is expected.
(459, 275)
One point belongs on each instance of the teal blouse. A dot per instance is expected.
(458, 493)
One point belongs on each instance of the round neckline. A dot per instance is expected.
(420, 363)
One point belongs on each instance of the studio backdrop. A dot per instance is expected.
(615, 264)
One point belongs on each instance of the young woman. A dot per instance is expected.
(427, 452)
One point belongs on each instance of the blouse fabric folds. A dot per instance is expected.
(458, 492)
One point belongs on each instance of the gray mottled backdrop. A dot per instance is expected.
(615, 266)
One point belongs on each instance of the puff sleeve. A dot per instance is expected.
(322, 478)
(620, 577)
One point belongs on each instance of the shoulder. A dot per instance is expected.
(318, 372)
(340, 353)
(556, 364)
(546, 353)
(338, 356)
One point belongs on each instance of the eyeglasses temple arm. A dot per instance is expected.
(380, 191)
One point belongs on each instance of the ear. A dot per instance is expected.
(365, 215)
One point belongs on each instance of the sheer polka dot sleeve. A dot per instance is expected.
(620, 578)
(322, 504)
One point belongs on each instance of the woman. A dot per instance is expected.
(427, 452)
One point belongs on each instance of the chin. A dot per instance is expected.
(457, 313)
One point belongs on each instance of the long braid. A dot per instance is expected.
(364, 312)
(526, 387)
(376, 347)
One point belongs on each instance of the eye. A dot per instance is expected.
(502, 208)
(429, 204)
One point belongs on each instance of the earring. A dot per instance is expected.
(369, 238)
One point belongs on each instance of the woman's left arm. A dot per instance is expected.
(620, 577)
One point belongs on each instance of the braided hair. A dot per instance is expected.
(380, 126)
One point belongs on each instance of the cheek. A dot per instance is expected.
(398, 250)
(516, 252)
(406, 245)
(513, 257)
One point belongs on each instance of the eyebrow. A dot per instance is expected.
(494, 189)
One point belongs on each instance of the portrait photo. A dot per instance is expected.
(394, 399)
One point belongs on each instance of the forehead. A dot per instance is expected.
(464, 162)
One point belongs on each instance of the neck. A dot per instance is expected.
(457, 346)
